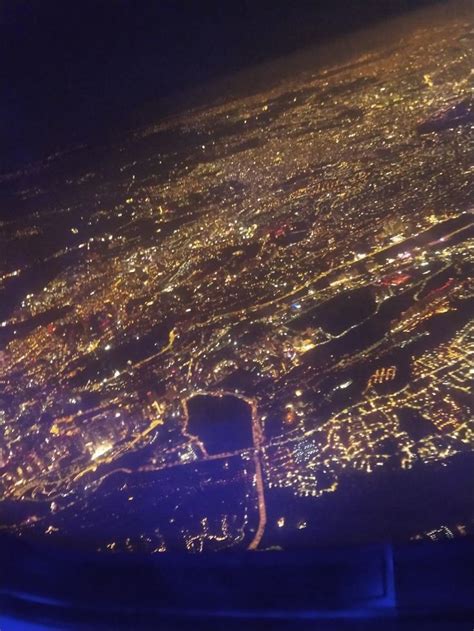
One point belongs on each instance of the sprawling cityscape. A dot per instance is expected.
(248, 326)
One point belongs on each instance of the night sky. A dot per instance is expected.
(74, 70)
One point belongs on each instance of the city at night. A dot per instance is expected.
(245, 325)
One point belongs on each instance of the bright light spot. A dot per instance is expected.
(346, 384)
(100, 450)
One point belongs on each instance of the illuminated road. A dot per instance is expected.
(259, 483)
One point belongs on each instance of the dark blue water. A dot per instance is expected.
(222, 423)
(152, 508)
